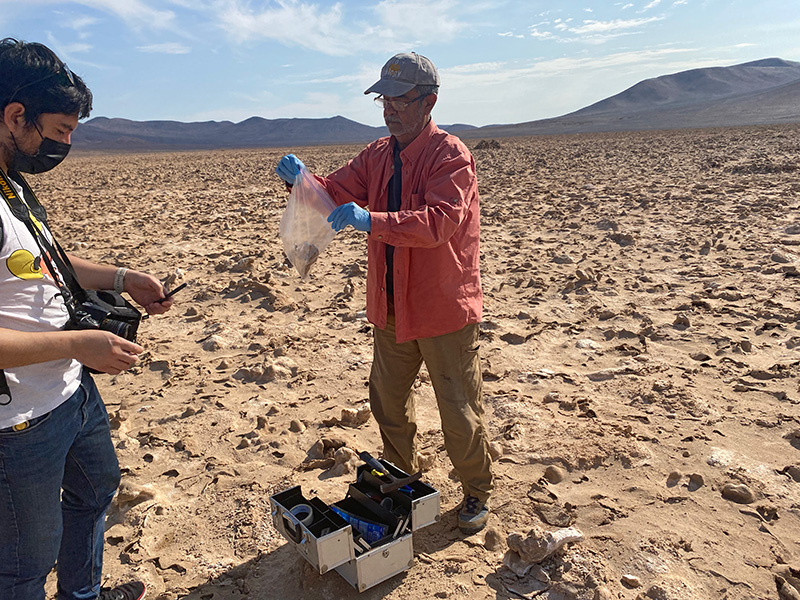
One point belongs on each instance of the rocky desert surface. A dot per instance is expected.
(641, 348)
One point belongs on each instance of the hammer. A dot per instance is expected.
(395, 482)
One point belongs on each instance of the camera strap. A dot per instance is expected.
(64, 273)
(64, 276)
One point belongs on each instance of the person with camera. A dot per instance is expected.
(58, 467)
(424, 294)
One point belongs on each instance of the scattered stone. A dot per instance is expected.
(588, 345)
(793, 437)
(551, 397)
(345, 461)
(607, 225)
(632, 581)
(297, 426)
(213, 343)
(524, 552)
(513, 338)
(700, 356)
(426, 460)
(787, 581)
(563, 259)
(662, 385)
(674, 478)
(681, 320)
(555, 474)
(130, 494)
(317, 451)
(223, 365)
(352, 417)
(779, 256)
(793, 229)
(793, 472)
(696, 481)
(190, 411)
(738, 493)
(603, 593)
(493, 539)
(623, 239)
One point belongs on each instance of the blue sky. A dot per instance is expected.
(500, 61)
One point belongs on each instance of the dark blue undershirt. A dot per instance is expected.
(394, 191)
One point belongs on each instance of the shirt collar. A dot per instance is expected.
(413, 150)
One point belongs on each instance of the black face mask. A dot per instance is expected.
(49, 155)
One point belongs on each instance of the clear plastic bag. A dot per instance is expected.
(305, 231)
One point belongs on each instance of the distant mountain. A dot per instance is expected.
(762, 92)
(102, 133)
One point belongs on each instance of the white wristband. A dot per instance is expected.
(119, 280)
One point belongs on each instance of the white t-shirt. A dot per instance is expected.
(30, 301)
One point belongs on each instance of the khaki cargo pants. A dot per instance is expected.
(453, 364)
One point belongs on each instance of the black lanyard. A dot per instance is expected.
(64, 277)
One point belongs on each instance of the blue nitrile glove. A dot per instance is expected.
(289, 168)
(350, 214)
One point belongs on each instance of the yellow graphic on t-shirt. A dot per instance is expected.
(25, 265)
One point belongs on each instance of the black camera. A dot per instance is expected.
(106, 310)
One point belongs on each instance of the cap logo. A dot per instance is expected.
(394, 70)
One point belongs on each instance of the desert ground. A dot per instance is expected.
(640, 345)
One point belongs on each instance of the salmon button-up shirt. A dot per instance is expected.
(436, 232)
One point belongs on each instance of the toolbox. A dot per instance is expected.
(366, 536)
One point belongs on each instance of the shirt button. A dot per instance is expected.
(383, 290)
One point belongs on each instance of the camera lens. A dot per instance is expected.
(119, 328)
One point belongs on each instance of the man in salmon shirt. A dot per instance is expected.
(423, 277)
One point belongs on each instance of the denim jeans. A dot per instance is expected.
(57, 478)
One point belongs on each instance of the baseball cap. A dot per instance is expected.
(403, 72)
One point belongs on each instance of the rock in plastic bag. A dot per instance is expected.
(305, 231)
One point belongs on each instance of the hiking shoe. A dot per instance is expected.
(133, 590)
(473, 516)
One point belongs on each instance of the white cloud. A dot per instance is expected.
(611, 26)
(652, 4)
(542, 35)
(81, 22)
(420, 19)
(135, 13)
(627, 6)
(167, 48)
(679, 2)
(580, 81)
(326, 28)
(510, 34)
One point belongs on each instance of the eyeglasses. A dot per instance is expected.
(398, 105)
(66, 75)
